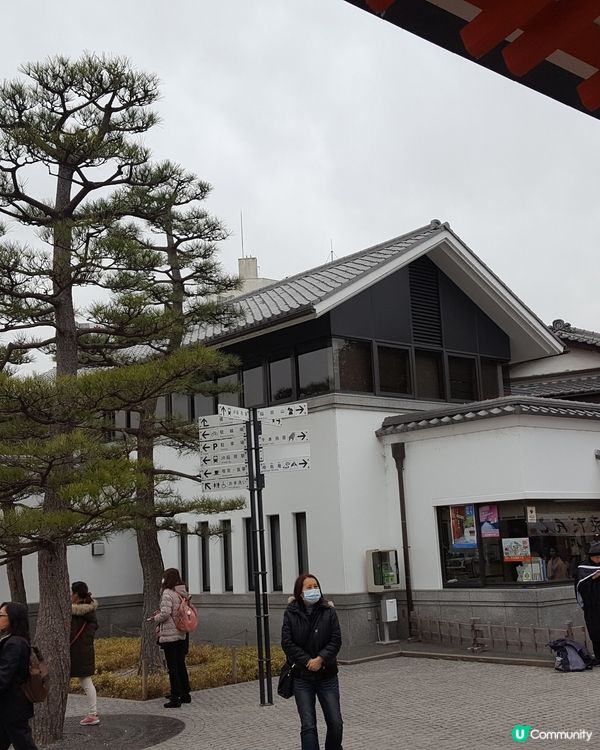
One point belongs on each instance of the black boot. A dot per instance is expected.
(173, 703)
(187, 698)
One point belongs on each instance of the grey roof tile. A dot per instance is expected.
(567, 332)
(302, 292)
(558, 387)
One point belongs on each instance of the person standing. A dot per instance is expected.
(173, 642)
(311, 639)
(556, 568)
(15, 649)
(84, 624)
(587, 591)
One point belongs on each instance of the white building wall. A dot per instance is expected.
(569, 362)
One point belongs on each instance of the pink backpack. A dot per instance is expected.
(186, 617)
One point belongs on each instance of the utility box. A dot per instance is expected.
(383, 573)
(389, 610)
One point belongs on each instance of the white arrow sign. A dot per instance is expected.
(224, 484)
(215, 420)
(220, 433)
(219, 472)
(222, 446)
(289, 464)
(275, 438)
(237, 457)
(283, 412)
(233, 412)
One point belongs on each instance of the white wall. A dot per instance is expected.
(569, 362)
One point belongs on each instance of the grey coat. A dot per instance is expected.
(169, 604)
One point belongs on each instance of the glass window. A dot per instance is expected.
(280, 377)
(275, 539)
(354, 365)
(179, 406)
(229, 398)
(394, 370)
(429, 375)
(460, 554)
(490, 378)
(204, 403)
(315, 372)
(254, 386)
(227, 556)
(249, 553)
(204, 555)
(301, 542)
(183, 551)
(462, 375)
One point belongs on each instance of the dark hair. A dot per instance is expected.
(80, 588)
(298, 586)
(172, 578)
(18, 619)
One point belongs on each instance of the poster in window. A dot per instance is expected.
(516, 549)
(488, 521)
(462, 525)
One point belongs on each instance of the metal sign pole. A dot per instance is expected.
(255, 562)
(260, 483)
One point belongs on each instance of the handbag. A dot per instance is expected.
(285, 686)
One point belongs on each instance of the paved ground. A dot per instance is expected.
(405, 703)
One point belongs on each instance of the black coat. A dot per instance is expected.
(588, 593)
(14, 670)
(83, 658)
(304, 637)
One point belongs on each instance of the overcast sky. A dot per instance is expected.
(328, 126)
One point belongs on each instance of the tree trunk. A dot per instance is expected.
(52, 634)
(147, 540)
(16, 582)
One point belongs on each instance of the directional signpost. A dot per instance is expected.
(234, 454)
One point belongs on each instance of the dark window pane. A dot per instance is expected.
(394, 370)
(230, 399)
(204, 555)
(315, 372)
(301, 542)
(463, 378)
(460, 554)
(353, 362)
(275, 536)
(490, 379)
(429, 374)
(280, 374)
(183, 551)
(249, 553)
(254, 387)
(204, 406)
(227, 556)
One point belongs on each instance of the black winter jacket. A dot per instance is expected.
(14, 670)
(303, 638)
(83, 657)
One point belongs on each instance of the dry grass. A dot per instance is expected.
(209, 666)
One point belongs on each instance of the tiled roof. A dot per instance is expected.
(562, 387)
(567, 332)
(297, 295)
(499, 407)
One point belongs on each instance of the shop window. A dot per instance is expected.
(460, 553)
(254, 387)
(301, 542)
(249, 553)
(227, 397)
(462, 378)
(490, 379)
(280, 379)
(227, 556)
(394, 370)
(315, 372)
(429, 375)
(354, 366)
(204, 554)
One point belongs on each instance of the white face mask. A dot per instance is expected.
(311, 595)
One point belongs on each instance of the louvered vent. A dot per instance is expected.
(425, 303)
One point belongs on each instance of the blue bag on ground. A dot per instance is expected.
(570, 656)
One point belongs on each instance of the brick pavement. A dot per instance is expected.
(403, 703)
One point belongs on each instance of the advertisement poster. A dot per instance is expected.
(488, 521)
(462, 524)
(516, 549)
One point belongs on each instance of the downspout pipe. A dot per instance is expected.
(399, 455)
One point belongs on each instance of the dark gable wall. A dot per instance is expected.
(382, 312)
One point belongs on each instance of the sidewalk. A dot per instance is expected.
(396, 702)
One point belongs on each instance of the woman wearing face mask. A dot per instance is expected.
(311, 639)
(15, 649)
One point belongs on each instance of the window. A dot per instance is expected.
(315, 372)
(254, 387)
(230, 399)
(227, 556)
(179, 406)
(204, 404)
(249, 553)
(354, 367)
(183, 551)
(275, 539)
(429, 374)
(301, 542)
(280, 378)
(462, 376)
(490, 378)
(204, 555)
(394, 370)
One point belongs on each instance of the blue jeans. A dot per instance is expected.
(328, 693)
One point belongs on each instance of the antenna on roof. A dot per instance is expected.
(331, 255)
(242, 232)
